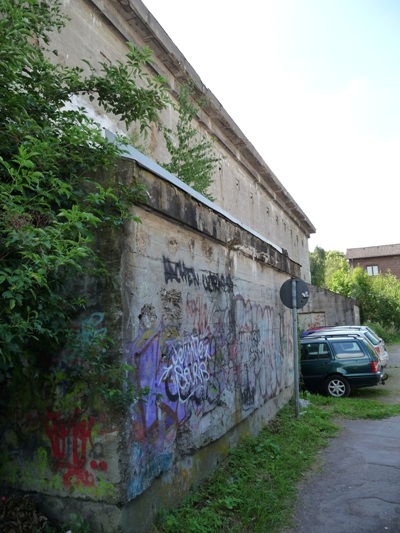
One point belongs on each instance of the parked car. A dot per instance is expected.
(378, 343)
(335, 364)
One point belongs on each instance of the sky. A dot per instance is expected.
(314, 85)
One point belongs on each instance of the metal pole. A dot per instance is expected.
(296, 350)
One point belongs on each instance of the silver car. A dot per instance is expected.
(378, 343)
(375, 340)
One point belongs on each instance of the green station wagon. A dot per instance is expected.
(334, 365)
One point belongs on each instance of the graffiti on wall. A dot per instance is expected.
(186, 375)
(64, 449)
(259, 350)
(182, 378)
(211, 281)
(234, 346)
(69, 448)
(73, 450)
(311, 320)
(252, 342)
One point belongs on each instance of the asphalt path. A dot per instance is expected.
(354, 486)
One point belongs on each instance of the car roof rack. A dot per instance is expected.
(325, 335)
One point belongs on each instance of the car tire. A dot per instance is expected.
(337, 387)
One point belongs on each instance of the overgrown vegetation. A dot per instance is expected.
(255, 488)
(53, 203)
(378, 296)
(193, 159)
(19, 514)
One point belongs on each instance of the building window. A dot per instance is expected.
(372, 270)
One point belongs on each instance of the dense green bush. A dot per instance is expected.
(53, 202)
(50, 203)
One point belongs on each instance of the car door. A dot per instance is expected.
(316, 362)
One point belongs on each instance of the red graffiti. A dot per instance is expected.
(102, 465)
(69, 446)
(77, 476)
(57, 433)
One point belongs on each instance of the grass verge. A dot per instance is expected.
(254, 489)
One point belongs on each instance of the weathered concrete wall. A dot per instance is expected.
(192, 303)
(243, 185)
(326, 308)
(207, 333)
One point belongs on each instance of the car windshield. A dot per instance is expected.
(370, 349)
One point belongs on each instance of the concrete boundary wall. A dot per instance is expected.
(327, 308)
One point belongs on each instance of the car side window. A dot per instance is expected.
(372, 338)
(315, 350)
(347, 349)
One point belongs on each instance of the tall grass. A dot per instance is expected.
(254, 489)
(388, 334)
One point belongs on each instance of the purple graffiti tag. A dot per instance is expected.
(186, 374)
(154, 414)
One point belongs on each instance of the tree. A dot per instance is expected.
(317, 266)
(334, 261)
(192, 154)
(340, 282)
(324, 265)
(50, 203)
(385, 306)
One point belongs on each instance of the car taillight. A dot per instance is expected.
(377, 349)
(374, 366)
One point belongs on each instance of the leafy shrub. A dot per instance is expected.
(51, 203)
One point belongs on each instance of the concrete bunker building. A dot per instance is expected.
(192, 304)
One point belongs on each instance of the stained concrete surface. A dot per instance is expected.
(355, 485)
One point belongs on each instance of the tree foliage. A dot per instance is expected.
(334, 261)
(317, 266)
(192, 154)
(50, 202)
(324, 265)
(341, 282)
(385, 304)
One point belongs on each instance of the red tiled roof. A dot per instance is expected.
(373, 251)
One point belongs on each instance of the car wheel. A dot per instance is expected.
(337, 387)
